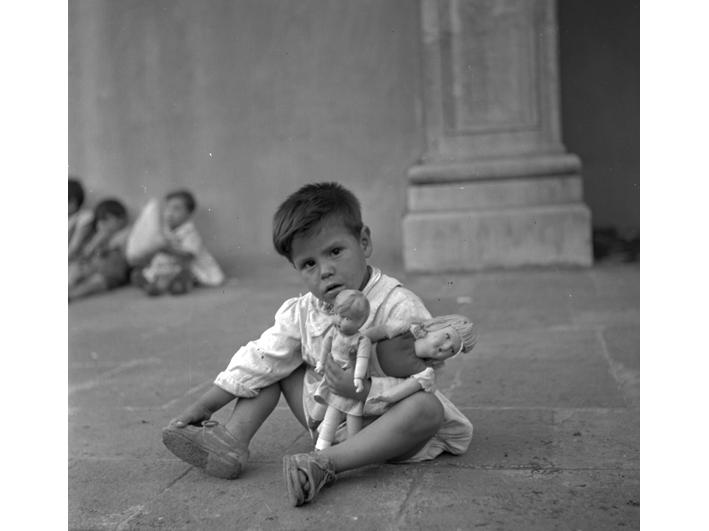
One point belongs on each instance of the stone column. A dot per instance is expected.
(495, 187)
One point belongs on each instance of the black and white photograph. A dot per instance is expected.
(352, 264)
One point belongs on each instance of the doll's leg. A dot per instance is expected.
(397, 435)
(326, 433)
(354, 424)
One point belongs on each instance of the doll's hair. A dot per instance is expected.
(353, 301)
(461, 324)
(304, 209)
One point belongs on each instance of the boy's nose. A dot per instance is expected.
(326, 270)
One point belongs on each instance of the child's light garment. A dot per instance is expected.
(344, 352)
(146, 236)
(300, 327)
(203, 266)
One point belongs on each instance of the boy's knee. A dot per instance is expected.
(427, 410)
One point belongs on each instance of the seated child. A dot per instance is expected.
(180, 260)
(319, 230)
(100, 264)
(79, 220)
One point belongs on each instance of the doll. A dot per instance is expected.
(407, 352)
(347, 346)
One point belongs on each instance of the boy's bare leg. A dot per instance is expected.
(250, 413)
(398, 434)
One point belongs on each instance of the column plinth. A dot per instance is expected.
(496, 187)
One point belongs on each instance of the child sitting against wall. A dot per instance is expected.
(80, 220)
(178, 258)
(100, 263)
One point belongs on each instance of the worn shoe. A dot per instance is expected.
(317, 469)
(210, 447)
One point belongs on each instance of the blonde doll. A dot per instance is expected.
(347, 347)
(407, 352)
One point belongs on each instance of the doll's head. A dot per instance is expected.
(351, 309)
(444, 336)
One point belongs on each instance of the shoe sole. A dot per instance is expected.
(290, 474)
(185, 448)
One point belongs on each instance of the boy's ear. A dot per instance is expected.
(365, 241)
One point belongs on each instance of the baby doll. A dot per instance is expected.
(347, 346)
(407, 352)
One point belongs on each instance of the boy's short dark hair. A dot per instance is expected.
(110, 207)
(305, 208)
(76, 191)
(187, 198)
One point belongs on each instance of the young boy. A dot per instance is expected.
(183, 260)
(101, 264)
(320, 231)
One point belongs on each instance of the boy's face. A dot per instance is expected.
(330, 259)
(110, 224)
(175, 212)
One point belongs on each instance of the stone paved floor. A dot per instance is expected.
(552, 390)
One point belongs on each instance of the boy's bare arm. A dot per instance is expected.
(214, 399)
(400, 391)
(387, 330)
(341, 381)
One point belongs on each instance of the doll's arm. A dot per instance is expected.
(400, 391)
(326, 349)
(387, 330)
(364, 350)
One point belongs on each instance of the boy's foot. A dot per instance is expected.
(210, 447)
(305, 475)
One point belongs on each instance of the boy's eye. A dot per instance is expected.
(307, 264)
(336, 251)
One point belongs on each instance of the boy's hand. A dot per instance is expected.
(341, 381)
(383, 399)
(194, 416)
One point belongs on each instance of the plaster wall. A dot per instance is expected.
(243, 102)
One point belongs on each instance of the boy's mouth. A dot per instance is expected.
(333, 290)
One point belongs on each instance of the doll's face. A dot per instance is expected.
(438, 344)
(349, 322)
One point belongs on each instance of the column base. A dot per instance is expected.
(471, 221)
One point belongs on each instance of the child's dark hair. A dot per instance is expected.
(304, 209)
(110, 207)
(187, 198)
(76, 191)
